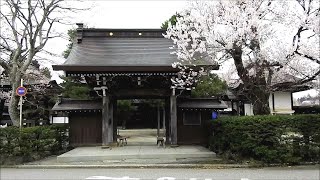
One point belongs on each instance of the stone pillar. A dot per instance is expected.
(173, 118)
(105, 119)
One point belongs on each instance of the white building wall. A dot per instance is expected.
(282, 103)
(270, 102)
(248, 109)
(58, 120)
(282, 100)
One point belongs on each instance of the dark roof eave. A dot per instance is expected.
(74, 109)
(197, 103)
(121, 30)
(292, 89)
(75, 105)
(153, 68)
(203, 107)
(112, 68)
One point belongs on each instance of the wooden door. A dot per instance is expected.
(85, 129)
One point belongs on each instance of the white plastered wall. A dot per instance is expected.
(59, 120)
(248, 109)
(282, 103)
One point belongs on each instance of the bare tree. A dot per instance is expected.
(255, 36)
(26, 27)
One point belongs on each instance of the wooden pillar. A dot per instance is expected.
(173, 118)
(158, 119)
(238, 108)
(231, 105)
(167, 119)
(164, 119)
(115, 120)
(110, 126)
(105, 119)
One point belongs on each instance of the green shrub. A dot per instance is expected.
(9, 141)
(62, 138)
(269, 139)
(32, 143)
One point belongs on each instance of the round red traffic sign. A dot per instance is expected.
(21, 91)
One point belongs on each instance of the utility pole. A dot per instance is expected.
(21, 91)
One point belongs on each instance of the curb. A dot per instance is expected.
(133, 166)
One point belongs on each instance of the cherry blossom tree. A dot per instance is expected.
(266, 41)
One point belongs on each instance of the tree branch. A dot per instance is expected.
(242, 72)
(307, 56)
(6, 46)
(14, 31)
(4, 65)
(309, 78)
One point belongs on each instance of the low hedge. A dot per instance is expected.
(31, 143)
(268, 139)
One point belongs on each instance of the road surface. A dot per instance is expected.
(301, 172)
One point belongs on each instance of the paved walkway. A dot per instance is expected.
(140, 154)
(140, 137)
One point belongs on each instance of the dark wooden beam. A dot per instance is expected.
(273, 103)
(123, 93)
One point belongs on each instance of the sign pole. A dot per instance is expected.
(21, 84)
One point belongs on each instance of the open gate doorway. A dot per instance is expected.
(141, 121)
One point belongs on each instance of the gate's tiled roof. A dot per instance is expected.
(137, 50)
(122, 52)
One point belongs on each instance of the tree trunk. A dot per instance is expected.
(260, 101)
(13, 105)
(255, 87)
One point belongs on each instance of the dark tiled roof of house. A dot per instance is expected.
(289, 87)
(203, 103)
(69, 105)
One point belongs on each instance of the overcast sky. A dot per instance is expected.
(116, 14)
(119, 14)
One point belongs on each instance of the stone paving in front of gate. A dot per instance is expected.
(138, 154)
(141, 148)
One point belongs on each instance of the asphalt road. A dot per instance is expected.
(308, 173)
